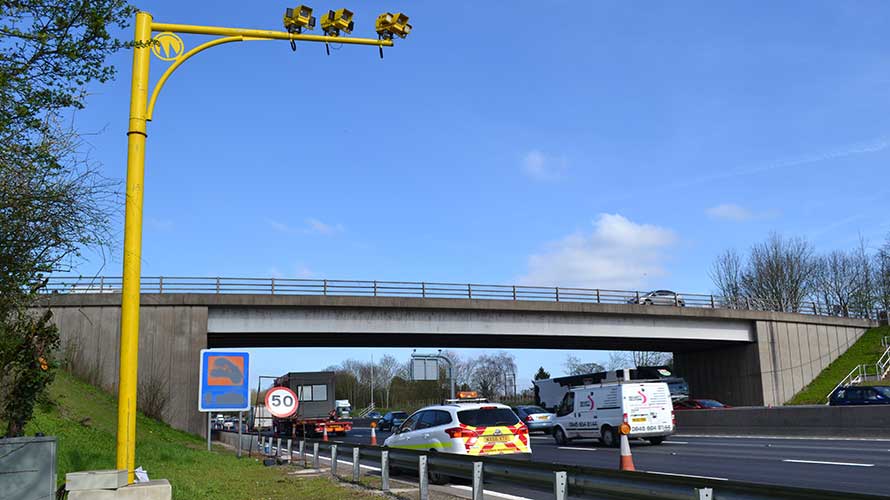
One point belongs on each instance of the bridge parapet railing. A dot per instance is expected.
(429, 289)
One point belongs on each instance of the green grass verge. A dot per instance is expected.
(84, 420)
(866, 350)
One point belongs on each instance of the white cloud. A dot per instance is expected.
(730, 211)
(317, 226)
(540, 166)
(618, 254)
(281, 227)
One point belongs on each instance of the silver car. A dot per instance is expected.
(659, 298)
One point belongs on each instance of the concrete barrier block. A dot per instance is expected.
(96, 480)
(157, 489)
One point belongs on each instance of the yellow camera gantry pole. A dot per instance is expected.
(141, 110)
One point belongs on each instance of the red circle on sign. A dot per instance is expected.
(281, 402)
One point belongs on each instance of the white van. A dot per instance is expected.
(597, 411)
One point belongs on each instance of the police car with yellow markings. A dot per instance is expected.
(463, 427)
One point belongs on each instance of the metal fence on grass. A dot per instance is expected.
(434, 290)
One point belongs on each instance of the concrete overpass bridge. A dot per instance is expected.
(740, 356)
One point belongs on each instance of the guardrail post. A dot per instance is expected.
(423, 290)
(423, 478)
(514, 292)
(290, 455)
(375, 288)
(217, 284)
(557, 294)
(334, 460)
(384, 471)
(705, 493)
(597, 295)
(160, 284)
(560, 485)
(273, 286)
(302, 452)
(477, 481)
(278, 449)
(102, 284)
(356, 466)
(469, 291)
(315, 456)
(712, 302)
(325, 287)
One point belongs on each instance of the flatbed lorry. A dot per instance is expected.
(317, 407)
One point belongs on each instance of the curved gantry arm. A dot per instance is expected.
(212, 43)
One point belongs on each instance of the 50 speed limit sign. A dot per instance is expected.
(281, 402)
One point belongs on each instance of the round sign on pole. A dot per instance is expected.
(281, 402)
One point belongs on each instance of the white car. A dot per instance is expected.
(659, 298)
(478, 428)
(597, 412)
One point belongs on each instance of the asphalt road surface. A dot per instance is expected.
(859, 466)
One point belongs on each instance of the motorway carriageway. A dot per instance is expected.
(856, 466)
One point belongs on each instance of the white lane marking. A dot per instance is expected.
(686, 475)
(489, 492)
(676, 442)
(573, 448)
(819, 462)
(802, 438)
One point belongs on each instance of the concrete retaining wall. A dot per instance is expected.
(804, 421)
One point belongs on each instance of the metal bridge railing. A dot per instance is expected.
(422, 289)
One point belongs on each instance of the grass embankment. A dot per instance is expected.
(85, 419)
(865, 351)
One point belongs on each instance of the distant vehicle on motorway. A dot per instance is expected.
(659, 298)
(536, 418)
(391, 420)
(699, 404)
(464, 428)
(597, 411)
(860, 395)
(374, 415)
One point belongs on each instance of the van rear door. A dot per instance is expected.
(648, 408)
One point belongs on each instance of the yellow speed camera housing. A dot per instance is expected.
(336, 21)
(389, 25)
(298, 19)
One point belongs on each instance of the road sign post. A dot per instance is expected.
(223, 385)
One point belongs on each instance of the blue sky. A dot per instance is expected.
(605, 144)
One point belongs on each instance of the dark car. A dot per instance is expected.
(536, 418)
(860, 395)
(374, 415)
(699, 404)
(391, 420)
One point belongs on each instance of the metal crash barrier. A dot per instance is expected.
(562, 480)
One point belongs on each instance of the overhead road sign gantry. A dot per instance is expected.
(168, 46)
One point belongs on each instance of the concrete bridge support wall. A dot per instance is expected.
(784, 358)
(170, 342)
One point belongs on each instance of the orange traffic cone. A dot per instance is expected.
(627, 461)
(325, 436)
(373, 435)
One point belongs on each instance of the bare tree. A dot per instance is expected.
(881, 276)
(633, 359)
(726, 273)
(489, 373)
(385, 371)
(618, 360)
(837, 280)
(866, 293)
(574, 366)
(780, 271)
